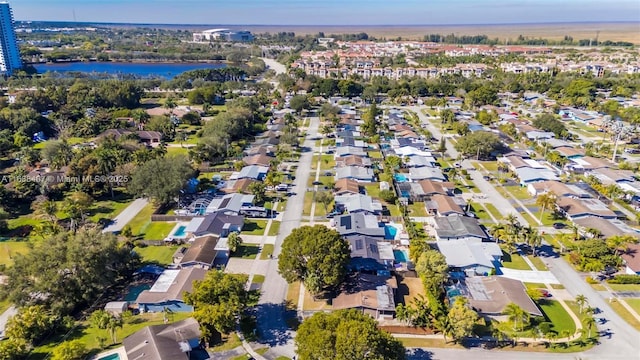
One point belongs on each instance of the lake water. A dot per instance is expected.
(141, 70)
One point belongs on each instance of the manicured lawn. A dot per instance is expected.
(492, 209)
(267, 249)
(375, 154)
(177, 151)
(142, 220)
(274, 229)
(293, 294)
(417, 209)
(308, 200)
(327, 162)
(9, 249)
(480, 211)
(419, 343)
(373, 190)
(557, 286)
(514, 261)
(538, 263)
(311, 305)
(162, 255)
(625, 314)
(108, 209)
(283, 358)
(247, 251)
(320, 209)
(258, 279)
(529, 285)
(157, 230)
(547, 219)
(490, 165)
(624, 287)
(4, 305)
(634, 303)
(89, 335)
(394, 210)
(254, 227)
(557, 315)
(518, 192)
(231, 342)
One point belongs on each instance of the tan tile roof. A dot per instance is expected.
(632, 257)
(201, 251)
(446, 205)
(575, 207)
(347, 185)
(496, 292)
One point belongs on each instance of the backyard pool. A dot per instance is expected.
(133, 293)
(180, 232)
(390, 232)
(400, 177)
(401, 255)
(114, 356)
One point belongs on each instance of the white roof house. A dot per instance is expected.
(424, 173)
(359, 203)
(477, 256)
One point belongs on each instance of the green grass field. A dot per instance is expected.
(162, 255)
(538, 263)
(142, 219)
(108, 209)
(514, 261)
(247, 251)
(157, 230)
(634, 303)
(267, 249)
(9, 249)
(625, 314)
(274, 229)
(89, 335)
(624, 287)
(561, 320)
(254, 227)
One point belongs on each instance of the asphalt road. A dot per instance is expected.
(271, 313)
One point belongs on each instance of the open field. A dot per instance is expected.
(556, 31)
(9, 249)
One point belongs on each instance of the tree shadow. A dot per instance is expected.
(419, 354)
(272, 326)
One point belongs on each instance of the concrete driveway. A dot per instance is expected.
(4, 317)
(545, 277)
(125, 216)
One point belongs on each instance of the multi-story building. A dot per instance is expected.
(9, 53)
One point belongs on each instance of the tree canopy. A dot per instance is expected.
(161, 179)
(315, 255)
(345, 335)
(218, 300)
(69, 270)
(480, 143)
(548, 122)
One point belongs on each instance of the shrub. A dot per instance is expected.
(591, 280)
(625, 279)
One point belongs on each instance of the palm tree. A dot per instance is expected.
(234, 241)
(517, 315)
(581, 300)
(589, 322)
(546, 201)
(170, 103)
(47, 209)
(532, 238)
(112, 326)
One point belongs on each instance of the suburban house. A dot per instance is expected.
(605, 227)
(528, 175)
(168, 290)
(426, 173)
(536, 135)
(346, 186)
(367, 247)
(230, 204)
(576, 208)
(412, 151)
(457, 228)
(149, 138)
(418, 161)
(559, 188)
(608, 176)
(343, 151)
(173, 341)
(444, 205)
(424, 189)
(358, 224)
(473, 257)
(490, 295)
(358, 203)
(419, 144)
(360, 174)
(353, 160)
(570, 152)
(214, 224)
(254, 172)
(586, 163)
(631, 259)
(257, 160)
(202, 253)
(239, 186)
(350, 141)
(373, 295)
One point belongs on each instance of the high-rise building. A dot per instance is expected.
(9, 52)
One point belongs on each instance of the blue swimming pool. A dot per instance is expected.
(400, 177)
(390, 232)
(400, 255)
(180, 232)
(111, 357)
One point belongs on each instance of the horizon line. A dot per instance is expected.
(336, 25)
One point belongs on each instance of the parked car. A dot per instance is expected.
(545, 292)
(282, 187)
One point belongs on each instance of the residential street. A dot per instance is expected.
(271, 310)
(622, 343)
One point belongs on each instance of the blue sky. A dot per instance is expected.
(329, 12)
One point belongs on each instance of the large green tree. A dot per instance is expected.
(433, 269)
(345, 335)
(461, 318)
(218, 301)
(478, 143)
(317, 253)
(161, 179)
(68, 270)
